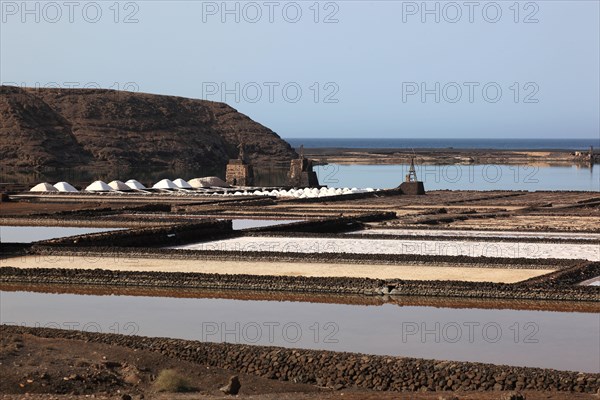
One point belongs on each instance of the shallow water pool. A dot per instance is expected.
(29, 234)
(548, 339)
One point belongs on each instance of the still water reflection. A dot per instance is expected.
(29, 234)
(464, 177)
(549, 339)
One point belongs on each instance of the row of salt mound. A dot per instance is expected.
(132, 184)
(116, 185)
(59, 187)
(196, 183)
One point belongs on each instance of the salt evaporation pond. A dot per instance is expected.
(466, 233)
(592, 282)
(238, 224)
(392, 246)
(28, 234)
(547, 339)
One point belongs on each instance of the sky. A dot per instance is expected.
(357, 69)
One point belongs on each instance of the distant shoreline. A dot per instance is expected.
(436, 145)
(449, 156)
(439, 149)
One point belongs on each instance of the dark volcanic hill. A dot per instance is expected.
(87, 127)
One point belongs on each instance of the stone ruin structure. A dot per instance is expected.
(590, 157)
(301, 172)
(239, 172)
(411, 185)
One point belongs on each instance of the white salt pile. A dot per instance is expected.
(118, 185)
(304, 193)
(165, 184)
(98, 186)
(208, 181)
(43, 187)
(180, 183)
(65, 187)
(196, 183)
(133, 184)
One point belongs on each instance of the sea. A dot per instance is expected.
(414, 143)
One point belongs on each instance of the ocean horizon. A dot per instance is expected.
(415, 143)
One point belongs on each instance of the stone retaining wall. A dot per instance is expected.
(94, 213)
(117, 222)
(299, 284)
(342, 370)
(241, 203)
(168, 235)
(342, 197)
(566, 277)
(13, 249)
(328, 225)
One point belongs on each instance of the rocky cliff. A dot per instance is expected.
(87, 127)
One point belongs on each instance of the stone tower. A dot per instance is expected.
(301, 172)
(239, 172)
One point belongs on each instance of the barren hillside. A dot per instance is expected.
(86, 127)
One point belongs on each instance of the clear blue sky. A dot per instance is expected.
(369, 62)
